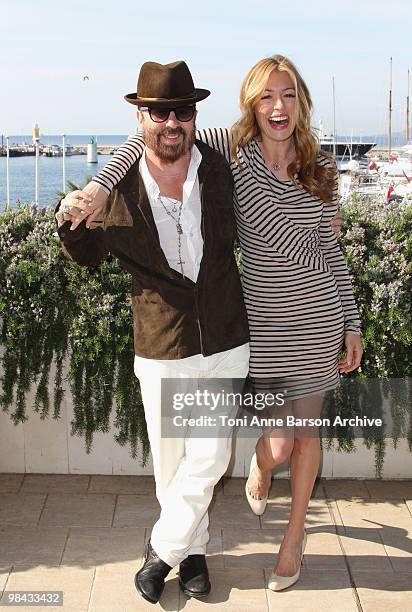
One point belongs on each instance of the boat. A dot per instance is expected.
(341, 148)
(345, 148)
(52, 150)
(348, 148)
(402, 167)
(389, 177)
(18, 151)
(55, 150)
(370, 185)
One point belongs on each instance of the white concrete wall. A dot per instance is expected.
(46, 446)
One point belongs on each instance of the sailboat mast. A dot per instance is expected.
(334, 117)
(407, 112)
(390, 112)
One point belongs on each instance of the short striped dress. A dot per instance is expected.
(296, 285)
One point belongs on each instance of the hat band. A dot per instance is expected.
(191, 95)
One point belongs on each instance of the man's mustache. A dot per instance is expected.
(172, 131)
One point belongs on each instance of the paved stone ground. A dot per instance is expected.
(85, 535)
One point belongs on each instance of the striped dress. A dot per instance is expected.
(296, 285)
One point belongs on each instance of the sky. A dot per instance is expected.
(47, 47)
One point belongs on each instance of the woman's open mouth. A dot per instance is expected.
(279, 122)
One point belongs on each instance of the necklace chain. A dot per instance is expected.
(179, 228)
(274, 166)
(172, 201)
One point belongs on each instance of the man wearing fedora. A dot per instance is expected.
(170, 222)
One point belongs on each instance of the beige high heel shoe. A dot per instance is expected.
(258, 505)
(278, 583)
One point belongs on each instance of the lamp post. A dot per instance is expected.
(390, 114)
(64, 162)
(334, 118)
(407, 111)
(36, 140)
(7, 173)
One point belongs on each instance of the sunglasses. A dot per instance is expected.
(158, 115)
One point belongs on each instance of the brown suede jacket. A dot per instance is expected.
(173, 317)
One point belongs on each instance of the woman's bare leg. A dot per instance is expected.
(270, 452)
(273, 448)
(304, 466)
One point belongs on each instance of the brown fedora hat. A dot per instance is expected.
(165, 85)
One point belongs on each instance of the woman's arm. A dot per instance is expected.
(335, 259)
(217, 139)
(132, 150)
(126, 155)
(333, 255)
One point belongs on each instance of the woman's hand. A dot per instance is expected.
(99, 199)
(82, 204)
(354, 352)
(336, 224)
(72, 208)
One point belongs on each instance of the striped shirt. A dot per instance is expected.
(296, 284)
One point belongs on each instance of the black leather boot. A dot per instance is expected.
(194, 576)
(150, 579)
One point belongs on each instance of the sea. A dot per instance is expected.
(22, 170)
(78, 171)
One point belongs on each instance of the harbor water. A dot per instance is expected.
(78, 171)
(22, 177)
(22, 169)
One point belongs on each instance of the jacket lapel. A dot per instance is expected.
(143, 205)
(135, 192)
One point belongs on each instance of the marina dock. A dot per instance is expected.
(46, 150)
(55, 150)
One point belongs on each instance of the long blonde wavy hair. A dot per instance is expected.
(312, 177)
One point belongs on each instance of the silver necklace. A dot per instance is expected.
(169, 201)
(275, 166)
(179, 229)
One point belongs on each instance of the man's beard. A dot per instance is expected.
(169, 152)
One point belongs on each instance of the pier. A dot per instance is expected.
(46, 150)
(25, 150)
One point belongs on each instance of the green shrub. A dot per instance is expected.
(53, 310)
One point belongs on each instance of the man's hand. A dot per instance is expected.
(337, 223)
(79, 205)
(354, 352)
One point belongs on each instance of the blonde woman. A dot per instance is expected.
(297, 289)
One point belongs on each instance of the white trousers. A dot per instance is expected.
(186, 468)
